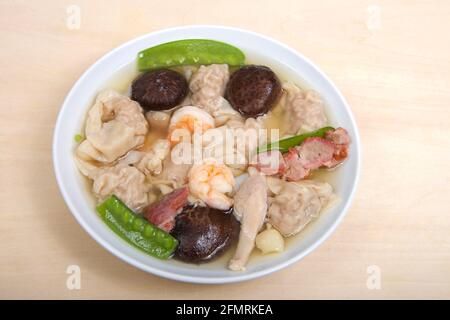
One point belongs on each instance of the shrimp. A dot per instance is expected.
(212, 183)
(187, 120)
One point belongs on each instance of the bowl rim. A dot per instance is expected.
(188, 278)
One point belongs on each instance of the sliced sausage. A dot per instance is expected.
(163, 212)
(314, 152)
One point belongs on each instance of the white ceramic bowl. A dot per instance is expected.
(82, 207)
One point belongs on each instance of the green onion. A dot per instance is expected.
(285, 144)
(78, 138)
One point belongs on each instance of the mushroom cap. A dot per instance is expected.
(253, 90)
(160, 89)
(204, 233)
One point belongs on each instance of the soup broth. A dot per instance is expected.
(121, 82)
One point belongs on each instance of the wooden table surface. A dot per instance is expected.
(389, 58)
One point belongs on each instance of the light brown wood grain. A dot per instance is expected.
(396, 77)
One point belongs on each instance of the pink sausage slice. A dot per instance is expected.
(163, 212)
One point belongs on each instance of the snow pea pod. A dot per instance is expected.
(285, 144)
(189, 52)
(135, 229)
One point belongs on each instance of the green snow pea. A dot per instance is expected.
(189, 52)
(284, 144)
(135, 229)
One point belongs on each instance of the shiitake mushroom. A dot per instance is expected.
(253, 90)
(204, 233)
(160, 89)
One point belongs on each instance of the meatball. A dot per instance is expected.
(253, 90)
(160, 89)
(204, 233)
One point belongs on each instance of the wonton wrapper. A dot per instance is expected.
(294, 204)
(304, 110)
(114, 125)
